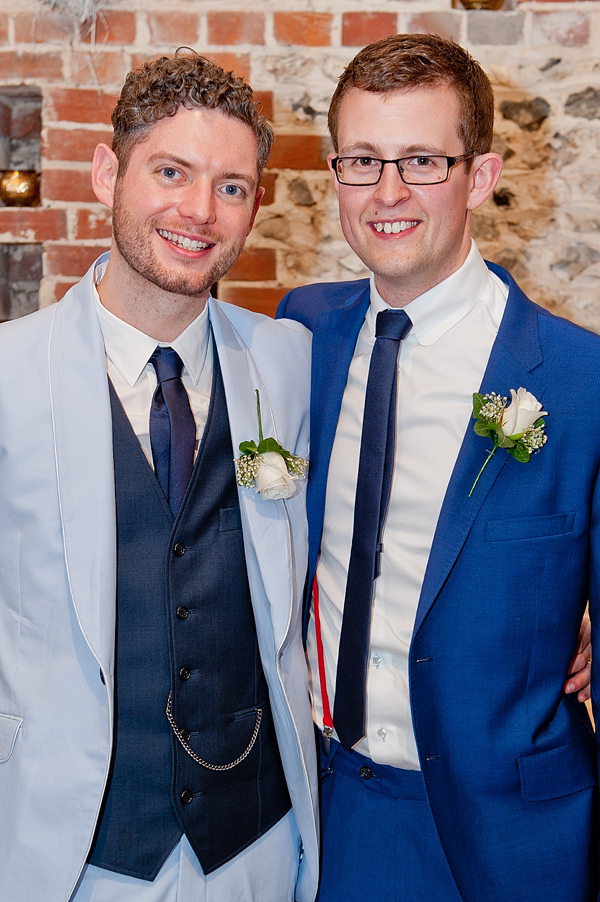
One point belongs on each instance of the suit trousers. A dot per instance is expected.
(264, 872)
(377, 833)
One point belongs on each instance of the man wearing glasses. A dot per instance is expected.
(441, 557)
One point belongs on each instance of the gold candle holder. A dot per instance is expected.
(19, 187)
(478, 4)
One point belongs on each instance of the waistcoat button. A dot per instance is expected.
(185, 673)
(187, 796)
(179, 549)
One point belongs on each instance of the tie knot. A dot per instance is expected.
(393, 324)
(167, 364)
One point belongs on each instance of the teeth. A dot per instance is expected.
(394, 227)
(183, 242)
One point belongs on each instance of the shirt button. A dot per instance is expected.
(187, 796)
(382, 733)
(179, 549)
(185, 735)
(376, 660)
(185, 673)
(366, 772)
(182, 613)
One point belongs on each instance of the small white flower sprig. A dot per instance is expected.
(268, 465)
(518, 428)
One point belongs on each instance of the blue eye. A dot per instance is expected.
(169, 172)
(233, 191)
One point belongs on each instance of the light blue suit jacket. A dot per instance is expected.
(57, 578)
(509, 761)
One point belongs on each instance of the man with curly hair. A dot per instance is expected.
(155, 733)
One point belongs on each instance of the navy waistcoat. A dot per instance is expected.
(185, 626)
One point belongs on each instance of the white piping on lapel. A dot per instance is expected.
(267, 537)
(82, 428)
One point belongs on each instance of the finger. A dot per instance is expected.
(580, 683)
(579, 663)
(585, 635)
(585, 694)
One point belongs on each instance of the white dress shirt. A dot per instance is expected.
(181, 877)
(128, 353)
(440, 364)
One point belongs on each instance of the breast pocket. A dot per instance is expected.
(519, 528)
(9, 727)
(229, 519)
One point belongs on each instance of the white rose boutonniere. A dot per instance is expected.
(268, 466)
(518, 428)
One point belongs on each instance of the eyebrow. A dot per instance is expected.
(169, 158)
(368, 149)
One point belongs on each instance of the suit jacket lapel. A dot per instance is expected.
(515, 354)
(334, 338)
(265, 523)
(84, 464)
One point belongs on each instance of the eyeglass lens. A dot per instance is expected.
(421, 170)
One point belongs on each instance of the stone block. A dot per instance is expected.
(585, 104)
(495, 27)
(445, 24)
(568, 27)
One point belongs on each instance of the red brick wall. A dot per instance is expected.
(292, 58)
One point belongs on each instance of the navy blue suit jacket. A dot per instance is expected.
(509, 761)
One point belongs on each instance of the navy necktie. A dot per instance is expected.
(375, 468)
(172, 427)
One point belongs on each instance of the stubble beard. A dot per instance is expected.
(133, 243)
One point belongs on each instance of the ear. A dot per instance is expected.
(336, 185)
(485, 172)
(104, 174)
(260, 193)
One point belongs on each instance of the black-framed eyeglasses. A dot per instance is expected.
(419, 169)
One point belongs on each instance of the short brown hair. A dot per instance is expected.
(159, 87)
(405, 61)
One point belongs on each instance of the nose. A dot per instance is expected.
(391, 190)
(197, 201)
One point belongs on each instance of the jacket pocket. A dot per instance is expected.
(229, 518)
(560, 771)
(9, 727)
(518, 528)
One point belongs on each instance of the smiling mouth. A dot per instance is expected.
(186, 244)
(392, 228)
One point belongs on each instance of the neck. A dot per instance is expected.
(158, 313)
(400, 292)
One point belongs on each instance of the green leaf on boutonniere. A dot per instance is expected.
(478, 402)
(248, 448)
(504, 441)
(269, 444)
(520, 453)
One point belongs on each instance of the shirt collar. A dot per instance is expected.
(129, 349)
(436, 311)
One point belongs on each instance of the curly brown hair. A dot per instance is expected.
(405, 61)
(159, 87)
